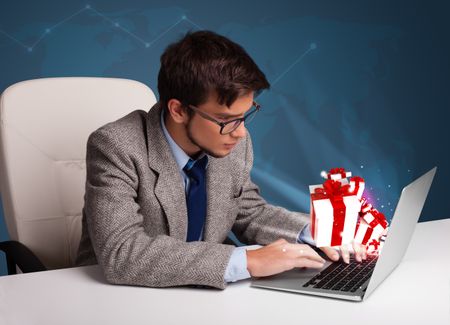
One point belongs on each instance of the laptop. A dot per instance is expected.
(357, 280)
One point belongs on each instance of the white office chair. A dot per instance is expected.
(44, 126)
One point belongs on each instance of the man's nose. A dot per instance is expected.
(240, 132)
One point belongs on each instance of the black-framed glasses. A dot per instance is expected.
(229, 126)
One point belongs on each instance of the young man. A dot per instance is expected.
(164, 188)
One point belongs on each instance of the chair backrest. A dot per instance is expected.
(44, 126)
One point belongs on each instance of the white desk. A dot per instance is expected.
(81, 296)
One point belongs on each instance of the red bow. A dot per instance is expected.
(337, 171)
(375, 243)
(378, 216)
(335, 188)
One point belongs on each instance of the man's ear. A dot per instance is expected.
(177, 111)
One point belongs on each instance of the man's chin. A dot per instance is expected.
(217, 154)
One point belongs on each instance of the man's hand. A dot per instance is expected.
(281, 256)
(358, 249)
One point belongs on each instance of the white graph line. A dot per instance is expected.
(165, 32)
(115, 24)
(192, 23)
(312, 46)
(145, 43)
(71, 16)
(13, 39)
(48, 30)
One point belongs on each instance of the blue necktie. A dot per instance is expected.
(196, 197)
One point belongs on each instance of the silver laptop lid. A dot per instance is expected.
(401, 229)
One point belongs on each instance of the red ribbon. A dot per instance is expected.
(338, 220)
(367, 235)
(335, 188)
(357, 180)
(340, 171)
(375, 243)
(335, 192)
(379, 218)
(313, 217)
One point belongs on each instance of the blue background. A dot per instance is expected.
(361, 85)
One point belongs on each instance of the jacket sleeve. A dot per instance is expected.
(124, 251)
(259, 222)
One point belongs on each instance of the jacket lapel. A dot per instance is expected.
(169, 187)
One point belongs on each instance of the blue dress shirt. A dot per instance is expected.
(237, 266)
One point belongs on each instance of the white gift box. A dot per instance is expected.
(365, 233)
(325, 230)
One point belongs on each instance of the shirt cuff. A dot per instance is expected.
(305, 236)
(237, 266)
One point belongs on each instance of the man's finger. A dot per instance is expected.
(357, 250)
(309, 253)
(306, 262)
(331, 253)
(302, 251)
(360, 250)
(345, 254)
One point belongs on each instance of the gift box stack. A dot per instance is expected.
(340, 214)
(371, 226)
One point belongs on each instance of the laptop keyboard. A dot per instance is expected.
(340, 276)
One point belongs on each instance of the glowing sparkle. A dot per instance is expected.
(362, 166)
(389, 185)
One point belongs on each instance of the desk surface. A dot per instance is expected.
(81, 296)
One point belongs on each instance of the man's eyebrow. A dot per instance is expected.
(228, 116)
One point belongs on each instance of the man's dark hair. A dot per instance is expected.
(202, 62)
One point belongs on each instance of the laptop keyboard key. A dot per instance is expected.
(340, 276)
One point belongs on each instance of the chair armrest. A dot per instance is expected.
(20, 255)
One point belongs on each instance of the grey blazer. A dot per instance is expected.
(135, 216)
